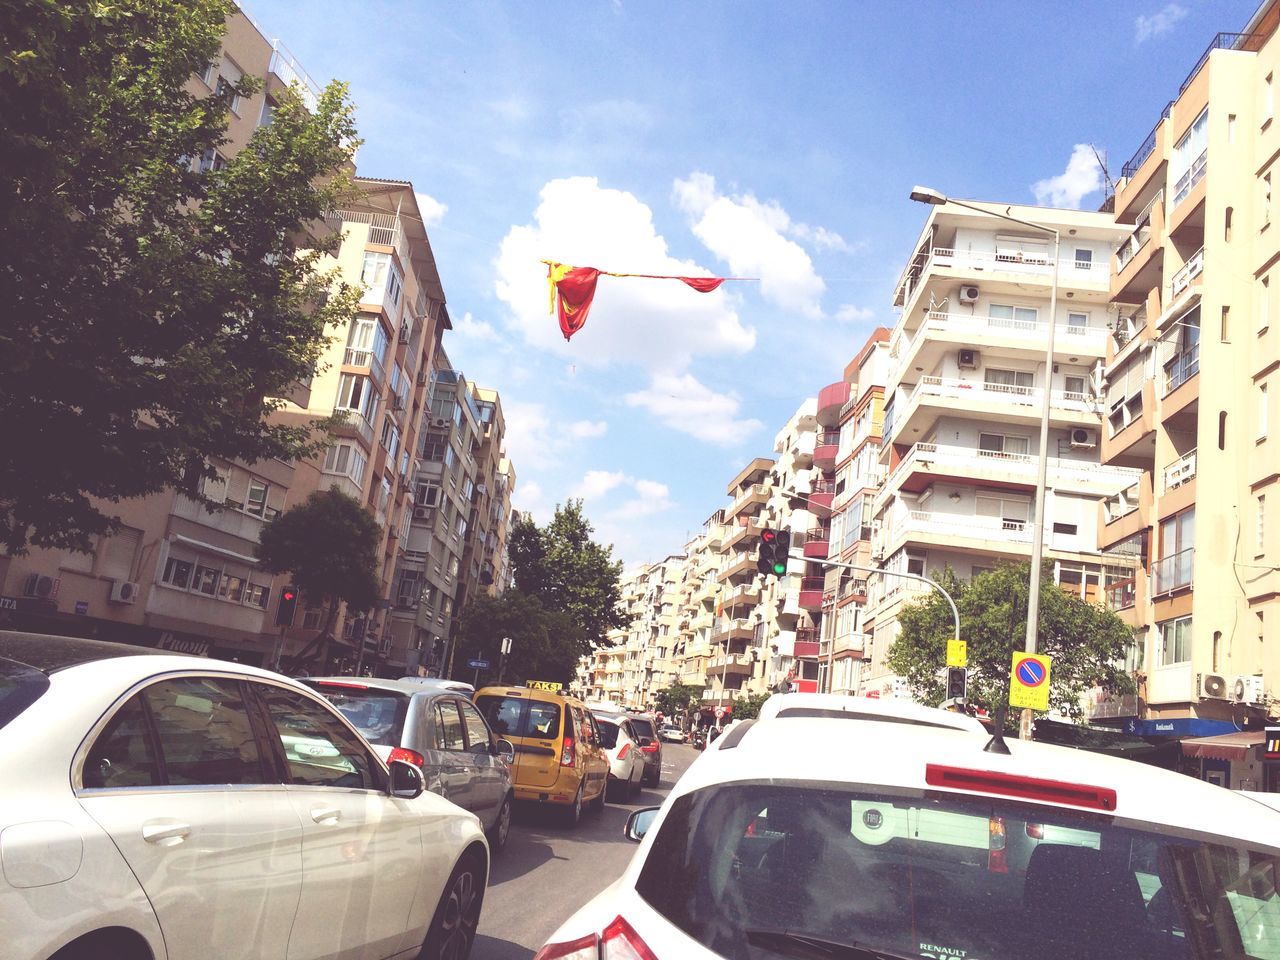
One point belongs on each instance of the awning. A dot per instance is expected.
(1228, 746)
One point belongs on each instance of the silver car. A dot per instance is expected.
(441, 731)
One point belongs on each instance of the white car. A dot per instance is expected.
(672, 734)
(626, 761)
(174, 807)
(889, 710)
(775, 845)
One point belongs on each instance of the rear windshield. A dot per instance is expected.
(756, 871)
(378, 714)
(518, 717)
(20, 686)
(643, 727)
(608, 733)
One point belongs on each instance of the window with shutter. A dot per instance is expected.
(118, 554)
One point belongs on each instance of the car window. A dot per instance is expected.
(519, 717)
(643, 728)
(20, 686)
(449, 726)
(377, 714)
(205, 737)
(608, 734)
(753, 869)
(543, 720)
(319, 750)
(123, 755)
(478, 740)
(592, 730)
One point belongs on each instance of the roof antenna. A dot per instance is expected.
(996, 744)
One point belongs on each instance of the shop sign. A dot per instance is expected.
(170, 641)
(1271, 745)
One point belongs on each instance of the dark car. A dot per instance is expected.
(647, 727)
(441, 731)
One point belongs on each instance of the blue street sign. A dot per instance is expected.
(1031, 673)
(478, 664)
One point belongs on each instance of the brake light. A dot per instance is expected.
(342, 683)
(566, 752)
(622, 754)
(651, 748)
(1035, 831)
(621, 942)
(996, 862)
(1026, 788)
(588, 948)
(404, 753)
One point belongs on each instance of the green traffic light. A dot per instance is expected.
(779, 567)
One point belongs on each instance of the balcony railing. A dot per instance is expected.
(813, 584)
(355, 419)
(1180, 471)
(1194, 174)
(1121, 504)
(1181, 367)
(1004, 392)
(947, 257)
(1023, 464)
(286, 66)
(1173, 572)
(1187, 272)
(367, 359)
(1148, 146)
(1141, 234)
(961, 524)
(1122, 594)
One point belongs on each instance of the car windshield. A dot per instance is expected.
(518, 717)
(378, 714)
(608, 733)
(20, 686)
(642, 727)
(762, 870)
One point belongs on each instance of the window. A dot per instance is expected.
(449, 735)
(1077, 322)
(390, 439)
(409, 589)
(1260, 525)
(1008, 381)
(1187, 168)
(1268, 100)
(211, 159)
(319, 749)
(177, 573)
(1175, 641)
(1262, 411)
(1068, 529)
(1002, 443)
(1266, 199)
(206, 580)
(1177, 552)
(478, 741)
(1013, 316)
(229, 75)
(1013, 512)
(1084, 258)
(434, 446)
(426, 495)
(256, 499)
(355, 392)
(367, 343)
(311, 618)
(347, 460)
(203, 730)
(231, 588)
(123, 755)
(118, 553)
(1074, 386)
(257, 595)
(374, 272)
(208, 72)
(1225, 335)
(1264, 306)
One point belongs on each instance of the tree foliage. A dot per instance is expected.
(545, 643)
(677, 699)
(568, 571)
(748, 707)
(152, 311)
(329, 544)
(1085, 640)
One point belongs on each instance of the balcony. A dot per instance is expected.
(747, 500)
(854, 644)
(365, 360)
(958, 531)
(821, 498)
(284, 70)
(831, 399)
(738, 664)
(1181, 280)
(826, 451)
(1122, 594)
(817, 543)
(1172, 572)
(1187, 182)
(806, 649)
(1181, 367)
(731, 630)
(739, 566)
(747, 594)
(1181, 471)
(356, 424)
(965, 264)
(941, 332)
(933, 397)
(811, 591)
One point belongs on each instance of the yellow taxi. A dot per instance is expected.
(559, 759)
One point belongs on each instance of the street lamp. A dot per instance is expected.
(934, 198)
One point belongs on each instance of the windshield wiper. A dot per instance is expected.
(808, 946)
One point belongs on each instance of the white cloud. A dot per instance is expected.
(597, 483)
(534, 440)
(604, 118)
(658, 324)
(751, 237)
(1082, 177)
(849, 313)
(683, 403)
(475, 329)
(529, 498)
(513, 110)
(1164, 20)
(583, 429)
(432, 210)
(615, 501)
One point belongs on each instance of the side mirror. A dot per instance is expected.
(638, 824)
(506, 750)
(407, 781)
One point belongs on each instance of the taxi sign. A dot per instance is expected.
(957, 653)
(550, 685)
(1029, 681)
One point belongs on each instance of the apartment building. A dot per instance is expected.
(1192, 372)
(963, 396)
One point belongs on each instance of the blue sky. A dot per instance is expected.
(726, 137)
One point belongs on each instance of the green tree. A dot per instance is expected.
(1086, 641)
(544, 643)
(151, 310)
(748, 707)
(329, 545)
(568, 571)
(678, 699)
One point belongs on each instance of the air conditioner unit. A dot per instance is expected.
(422, 513)
(397, 402)
(422, 378)
(1213, 686)
(969, 293)
(1081, 438)
(969, 359)
(440, 421)
(1247, 689)
(41, 587)
(124, 591)
(404, 333)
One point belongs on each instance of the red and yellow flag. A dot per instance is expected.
(573, 288)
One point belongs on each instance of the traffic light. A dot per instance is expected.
(775, 545)
(955, 683)
(288, 606)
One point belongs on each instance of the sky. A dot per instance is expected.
(766, 140)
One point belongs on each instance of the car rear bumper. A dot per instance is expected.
(561, 793)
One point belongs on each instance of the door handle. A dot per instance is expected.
(326, 814)
(165, 833)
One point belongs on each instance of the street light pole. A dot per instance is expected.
(933, 197)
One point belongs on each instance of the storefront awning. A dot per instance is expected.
(1228, 746)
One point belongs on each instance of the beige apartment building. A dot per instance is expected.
(1192, 375)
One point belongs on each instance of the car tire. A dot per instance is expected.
(573, 813)
(453, 928)
(597, 805)
(501, 828)
(652, 778)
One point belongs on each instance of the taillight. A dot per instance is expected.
(404, 753)
(651, 748)
(566, 753)
(622, 754)
(996, 862)
(588, 948)
(1035, 831)
(342, 683)
(621, 942)
(1025, 788)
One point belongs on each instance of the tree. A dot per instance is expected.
(1086, 641)
(568, 571)
(545, 643)
(152, 310)
(748, 707)
(678, 699)
(329, 544)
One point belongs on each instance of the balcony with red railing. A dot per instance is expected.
(821, 497)
(831, 399)
(826, 450)
(807, 642)
(805, 686)
(818, 542)
(811, 590)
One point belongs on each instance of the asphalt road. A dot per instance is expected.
(548, 870)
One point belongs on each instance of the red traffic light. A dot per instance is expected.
(287, 595)
(768, 537)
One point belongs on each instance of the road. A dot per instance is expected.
(548, 871)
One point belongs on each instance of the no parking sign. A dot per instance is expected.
(1029, 681)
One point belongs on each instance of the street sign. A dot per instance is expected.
(957, 653)
(478, 664)
(544, 685)
(719, 713)
(1271, 751)
(1029, 681)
